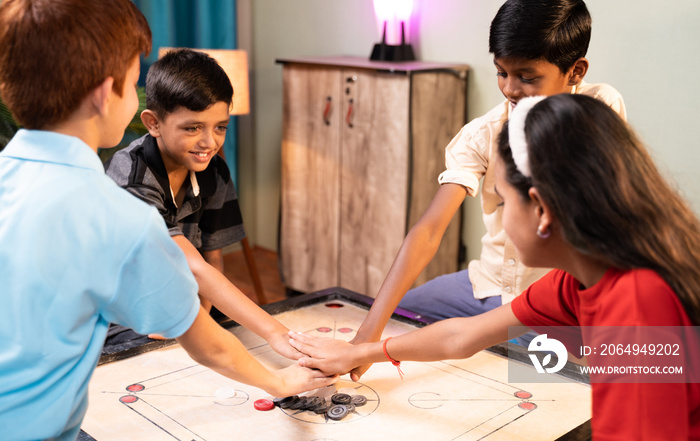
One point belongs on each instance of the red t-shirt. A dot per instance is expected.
(621, 411)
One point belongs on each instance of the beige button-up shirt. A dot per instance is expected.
(468, 158)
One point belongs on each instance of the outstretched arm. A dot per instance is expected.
(417, 250)
(217, 289)
(215, 258)
(212, 346)
(448, 339)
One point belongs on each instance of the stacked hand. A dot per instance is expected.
(280, 343)
(297, 379)
(328, 355)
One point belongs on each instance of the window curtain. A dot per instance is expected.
(201, 24)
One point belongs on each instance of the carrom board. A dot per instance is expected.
(156, 392)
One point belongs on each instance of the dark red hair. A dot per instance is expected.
(54, 52)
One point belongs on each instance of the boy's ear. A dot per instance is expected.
(578, 71)
(151, 121)
(101, 95)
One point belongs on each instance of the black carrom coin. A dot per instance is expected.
(337, 412)
(341, 398)
(359, 400)
(278, 400)
(299, 403)
(323, 407)
(287, 401)
(311, 403)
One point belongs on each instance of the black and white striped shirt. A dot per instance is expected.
(210, 217)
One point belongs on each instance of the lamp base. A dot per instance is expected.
(388, 52)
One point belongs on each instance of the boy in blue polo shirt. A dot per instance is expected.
(175, 167)
(77, 251)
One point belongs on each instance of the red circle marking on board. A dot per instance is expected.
(527, 405)
(135, 387)
(345, 330)
(128, 399)
(333, 305)
(263, 404)
(324, 329)
(522, 394)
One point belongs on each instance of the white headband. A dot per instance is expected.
(516, 133)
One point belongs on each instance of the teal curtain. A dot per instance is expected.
(200, 24)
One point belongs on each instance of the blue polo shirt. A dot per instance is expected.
(76, 253)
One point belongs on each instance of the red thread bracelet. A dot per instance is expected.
(394, 362)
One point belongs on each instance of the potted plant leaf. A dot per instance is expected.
(8, 125)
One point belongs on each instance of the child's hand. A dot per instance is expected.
(297, 379)
(279, 342)
(359, 371)
(329, 355)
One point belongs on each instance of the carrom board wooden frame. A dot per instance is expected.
(135, 348)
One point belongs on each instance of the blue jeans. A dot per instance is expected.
(452, 295)
(447, 296)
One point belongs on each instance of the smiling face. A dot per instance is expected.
(188, 140)
(519, 78)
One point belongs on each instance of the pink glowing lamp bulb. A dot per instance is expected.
(392, 15)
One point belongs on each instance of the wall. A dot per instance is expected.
(648, 50)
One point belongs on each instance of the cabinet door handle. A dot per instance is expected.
(327, 111)
(349, 116)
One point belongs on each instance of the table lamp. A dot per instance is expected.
(392, 19)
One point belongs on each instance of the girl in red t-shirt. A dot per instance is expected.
(582, 195)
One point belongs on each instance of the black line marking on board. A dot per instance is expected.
(488, 380)
(496, 429)
(201, 370)
(519, 400)
(504, 425)
(169, 373)
(152, 386)
(139, 394)
(150, 421)
(166, 416)
(438, 400)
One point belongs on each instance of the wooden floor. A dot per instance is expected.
(236, 271)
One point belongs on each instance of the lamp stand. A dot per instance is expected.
(387, 52)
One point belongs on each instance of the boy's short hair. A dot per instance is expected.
(557, 30)
(186, 78)
(54, 52)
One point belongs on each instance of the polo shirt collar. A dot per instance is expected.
(193, 184)
(45, 146)
(152, 155)
(154, 160)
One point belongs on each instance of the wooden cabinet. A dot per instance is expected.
(362, 146)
